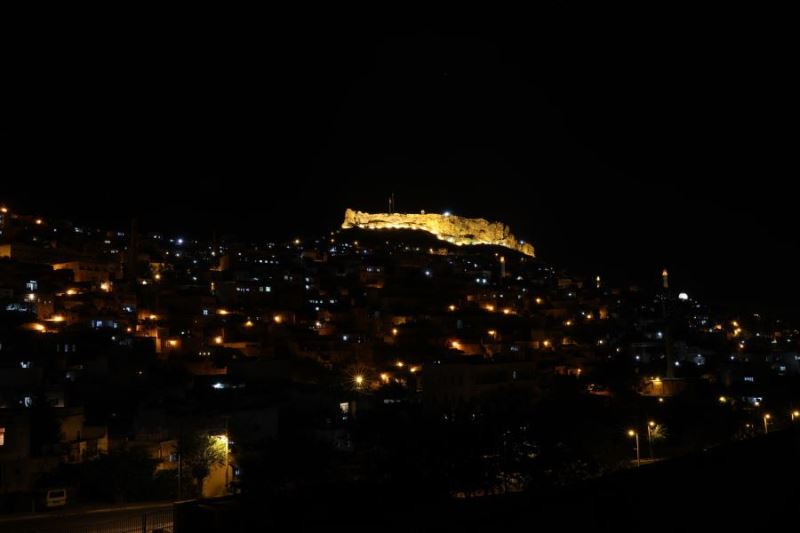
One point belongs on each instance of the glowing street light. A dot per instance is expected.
(766, 422)
(650, 426)
(451, 307)
(395, 331)
(634, 434)
(795, 415)
(218, 339)
(723, 399)
(359, 379)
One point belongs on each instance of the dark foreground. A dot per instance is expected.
(752, 483)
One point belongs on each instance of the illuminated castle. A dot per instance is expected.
(456, 230)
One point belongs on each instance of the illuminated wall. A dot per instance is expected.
(456, 230)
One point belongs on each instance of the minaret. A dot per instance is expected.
(665, 277)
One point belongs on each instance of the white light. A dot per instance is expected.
(683, 296)
(218, 385)
(447, 213)
(179, 242)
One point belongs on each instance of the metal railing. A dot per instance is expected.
(160, 521)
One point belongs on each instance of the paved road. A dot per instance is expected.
(117, 519)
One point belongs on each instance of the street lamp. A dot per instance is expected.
(766, 422)
(634, 434)
(795, 415)
(650, 426)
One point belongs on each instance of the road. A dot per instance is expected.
(115, 519)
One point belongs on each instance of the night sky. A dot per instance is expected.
(614, 154)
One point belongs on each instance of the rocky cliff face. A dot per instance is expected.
(457, 230)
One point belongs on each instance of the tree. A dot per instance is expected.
(200, 452)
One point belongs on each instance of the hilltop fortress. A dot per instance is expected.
(453, 229)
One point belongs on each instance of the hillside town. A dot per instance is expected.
(138, 366)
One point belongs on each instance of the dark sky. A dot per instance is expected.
(613, 152)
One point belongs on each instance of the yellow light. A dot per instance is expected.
(105, 286)
(359, 379)
(795, 413)
(248, 324)
(539, 301)
(656, 379)
(568, 323)
(502, 259)
(152, 317)
(223, 439)
(3, 210)
(395, 332)
(384, 377)
(723, 399)
(492, 332)
(39, 221)
(767, 416)
(451, 307)
(589, 316)
(157, 277)
(546, 344)
(631, 433)
(651, 424)
(455, 345)
(718, 327)
(399, 364)
(57, 318)
(72, 292)
(664, 273)
(506, 311)
(297, 242)
(222, 312)
(129, 330)
(413, 369)
(734, 323)
(144, 282)
(661, 400)
(218, 339)
(172, 343)
(278, 319)
(490, 308)
(39, 327)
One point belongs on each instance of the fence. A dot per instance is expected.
(160, 521)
